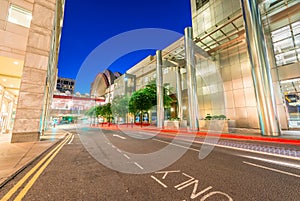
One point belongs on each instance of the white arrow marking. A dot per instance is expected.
(123, 138)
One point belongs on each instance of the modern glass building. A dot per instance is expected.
(256, 49)
(238, 61)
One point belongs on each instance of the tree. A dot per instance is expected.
(120, 106)
(105, 111)
(143, 99)
(93, 111)
(90, 112)
(140, 101)
(151, 87)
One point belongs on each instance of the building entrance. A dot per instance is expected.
(291, 91)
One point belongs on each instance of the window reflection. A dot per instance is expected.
(285, 42)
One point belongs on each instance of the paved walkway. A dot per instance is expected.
(15, 156)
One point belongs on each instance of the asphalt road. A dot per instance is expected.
(113, 165)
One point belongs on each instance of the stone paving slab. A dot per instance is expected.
(14, 156)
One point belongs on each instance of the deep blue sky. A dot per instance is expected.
(89, 23)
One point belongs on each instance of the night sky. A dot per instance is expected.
(87, 24)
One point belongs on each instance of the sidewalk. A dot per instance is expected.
(15, 156)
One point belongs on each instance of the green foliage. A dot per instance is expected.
(151, 88)
(208, 117)
(215, 117)
(93, 111)
(120, 106)
(144, 99)
(105, 111)
(140, 100)
(175, 119)
(222, 116)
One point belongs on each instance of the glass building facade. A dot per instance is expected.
(219, 29)
(239, 61)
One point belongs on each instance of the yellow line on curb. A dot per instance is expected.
(20, 183)
(37, 174)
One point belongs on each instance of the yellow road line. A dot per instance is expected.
(37, 174)
(20, 183)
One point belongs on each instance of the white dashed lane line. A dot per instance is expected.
(126, 156)
(121, 137)
(138, 165)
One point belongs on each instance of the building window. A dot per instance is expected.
(201, 3)
(20, 16)
(286, 44)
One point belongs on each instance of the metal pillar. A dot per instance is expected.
(179, 89)
(159, 90)
(261, 72)
(191, 79)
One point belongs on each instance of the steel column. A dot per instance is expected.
(179, 89)
(191, 79)
(261, 72)
(159, 90)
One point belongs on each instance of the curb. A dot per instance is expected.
(240, 137)
(13, 175)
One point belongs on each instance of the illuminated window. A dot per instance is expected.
(286, 43)
(20, 16)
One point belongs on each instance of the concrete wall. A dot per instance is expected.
(37, 47)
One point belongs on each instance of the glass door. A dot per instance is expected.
(291, 91)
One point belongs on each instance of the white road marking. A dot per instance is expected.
(126, 156)
(138, 165)
(272, 169)
(234, 148)
(71, 139)
(179, 186)
(273, 162)
(215, 193)
(119, 150)
(166, 173)
(158, 181)
(123, 138)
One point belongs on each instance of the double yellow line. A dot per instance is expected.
(37, 169)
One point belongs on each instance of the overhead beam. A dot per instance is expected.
(229, 43)
(230, 20)
(286, 12)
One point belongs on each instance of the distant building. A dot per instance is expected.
(71, 106)
(103, 85)
(65, 84)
